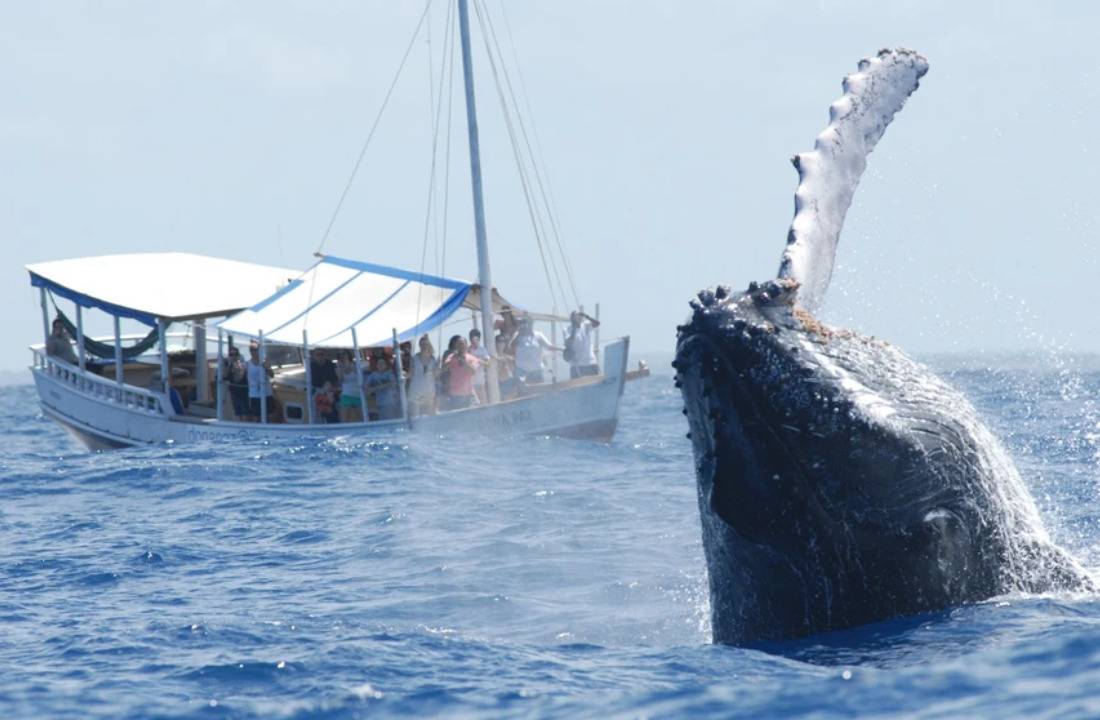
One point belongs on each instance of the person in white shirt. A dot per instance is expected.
(425, 368)
(580, 345)
(478, 350)
(527, 349)
(259, 385)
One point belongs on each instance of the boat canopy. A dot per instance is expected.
(336, 295)
(170, 286)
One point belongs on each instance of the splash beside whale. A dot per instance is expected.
(839, 481)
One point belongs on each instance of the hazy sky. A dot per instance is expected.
(229, 128)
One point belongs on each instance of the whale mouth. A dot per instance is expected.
(749, 467)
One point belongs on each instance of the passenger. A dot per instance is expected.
(506, 370)
(482, 354)
(58, 345)
(508, 326)
(528, 347)
(580, 350)
(383, 384)
(350, 401)
(321, 369)
(259, 386)
(236, 372)
(461, 367)
(422, 379)
(324, 402)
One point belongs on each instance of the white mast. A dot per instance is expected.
(483, 275)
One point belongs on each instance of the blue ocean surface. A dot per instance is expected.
(418, 575)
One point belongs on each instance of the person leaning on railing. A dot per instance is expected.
(58, 344)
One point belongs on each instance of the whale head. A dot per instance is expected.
(839, 481)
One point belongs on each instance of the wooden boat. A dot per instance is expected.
(170, 386)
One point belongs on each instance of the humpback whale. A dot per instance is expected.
(839, 481)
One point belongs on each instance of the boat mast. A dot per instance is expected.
(483, 276)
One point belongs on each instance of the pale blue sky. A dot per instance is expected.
(230, 128)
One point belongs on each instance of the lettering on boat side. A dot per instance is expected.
(510, 418)
(221, 436)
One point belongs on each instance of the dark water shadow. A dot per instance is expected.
(885, 644)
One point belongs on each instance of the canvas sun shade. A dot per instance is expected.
(169, 286)
(336, 295)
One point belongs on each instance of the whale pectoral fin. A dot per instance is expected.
(828, 175)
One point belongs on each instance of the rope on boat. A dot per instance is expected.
(374, 127)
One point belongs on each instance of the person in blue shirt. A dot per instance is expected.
(383, 384)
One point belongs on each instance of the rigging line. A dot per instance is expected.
(436, 109)
(374, 126)
(545, 191)
(531, 208)
(534, 165)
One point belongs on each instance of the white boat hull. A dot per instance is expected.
(103, 415)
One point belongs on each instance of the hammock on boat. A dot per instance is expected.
(107, 350)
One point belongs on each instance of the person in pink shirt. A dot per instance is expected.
(461, 367)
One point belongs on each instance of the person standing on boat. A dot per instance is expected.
(424, 368)
(580, 345)
(461, 367)
(350, 380)
(321, 370)
(58, 345)
(259, 384)
(322, 374)
(506, 370)
(478, 350)
(383, 383)
(528, 348)
(507, 325)
(237, 372)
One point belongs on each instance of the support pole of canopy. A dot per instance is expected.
(118, 353)
(220, 389)
(202, 384)
(162, 341)
(80, 335)
(359, 374)
(45, 318)
(309, 376)
(263, 379)
(554, 356)
(597, 338)
(483, 275)
(400, 372)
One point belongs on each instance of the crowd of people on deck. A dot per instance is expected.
(453, 381)
(344, 390)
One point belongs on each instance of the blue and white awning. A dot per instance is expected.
(169, 286)
(335, 295)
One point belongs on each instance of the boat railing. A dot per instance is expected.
(99, 388)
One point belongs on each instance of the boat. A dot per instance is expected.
(170, 384)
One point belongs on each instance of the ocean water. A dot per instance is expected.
(532, 577)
